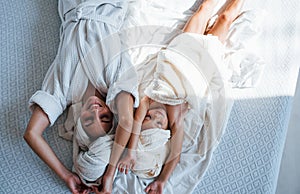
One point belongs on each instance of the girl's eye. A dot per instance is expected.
(147, 117)
(159, 124)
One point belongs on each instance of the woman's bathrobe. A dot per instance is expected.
(89, 51)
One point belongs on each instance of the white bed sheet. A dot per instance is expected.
(247, 159)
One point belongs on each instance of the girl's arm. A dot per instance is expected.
(124, 102)
(176, 116)
(33, 135)
(128, 161)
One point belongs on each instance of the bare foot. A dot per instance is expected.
(233, 7)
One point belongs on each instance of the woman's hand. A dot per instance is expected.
(75, 185)
(155, 187)
(33, 136)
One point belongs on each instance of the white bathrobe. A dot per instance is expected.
(89, 50)
(191, 69)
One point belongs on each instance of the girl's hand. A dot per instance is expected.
(141, 111)
(145, 102)
(105, 186)
(127, 163)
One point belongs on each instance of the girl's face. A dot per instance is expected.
(156, 117)
(96, 118)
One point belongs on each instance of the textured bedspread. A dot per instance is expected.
(247, 159)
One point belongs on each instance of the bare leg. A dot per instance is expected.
(198, 22)
(227, 15)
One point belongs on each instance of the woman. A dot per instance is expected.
(81, 73)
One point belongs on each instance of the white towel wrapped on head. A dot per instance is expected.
(91, 159)
(152, 152)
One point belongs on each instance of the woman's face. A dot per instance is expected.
(156, 117)
(96, 118)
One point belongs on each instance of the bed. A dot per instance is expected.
(247, 159)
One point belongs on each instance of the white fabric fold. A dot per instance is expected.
(241, 58)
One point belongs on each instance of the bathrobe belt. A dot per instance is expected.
(88, 11)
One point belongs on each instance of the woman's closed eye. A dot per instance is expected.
(105, 119)
(88, 121)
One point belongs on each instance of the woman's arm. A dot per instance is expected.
(176, 116)
(33, 135)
